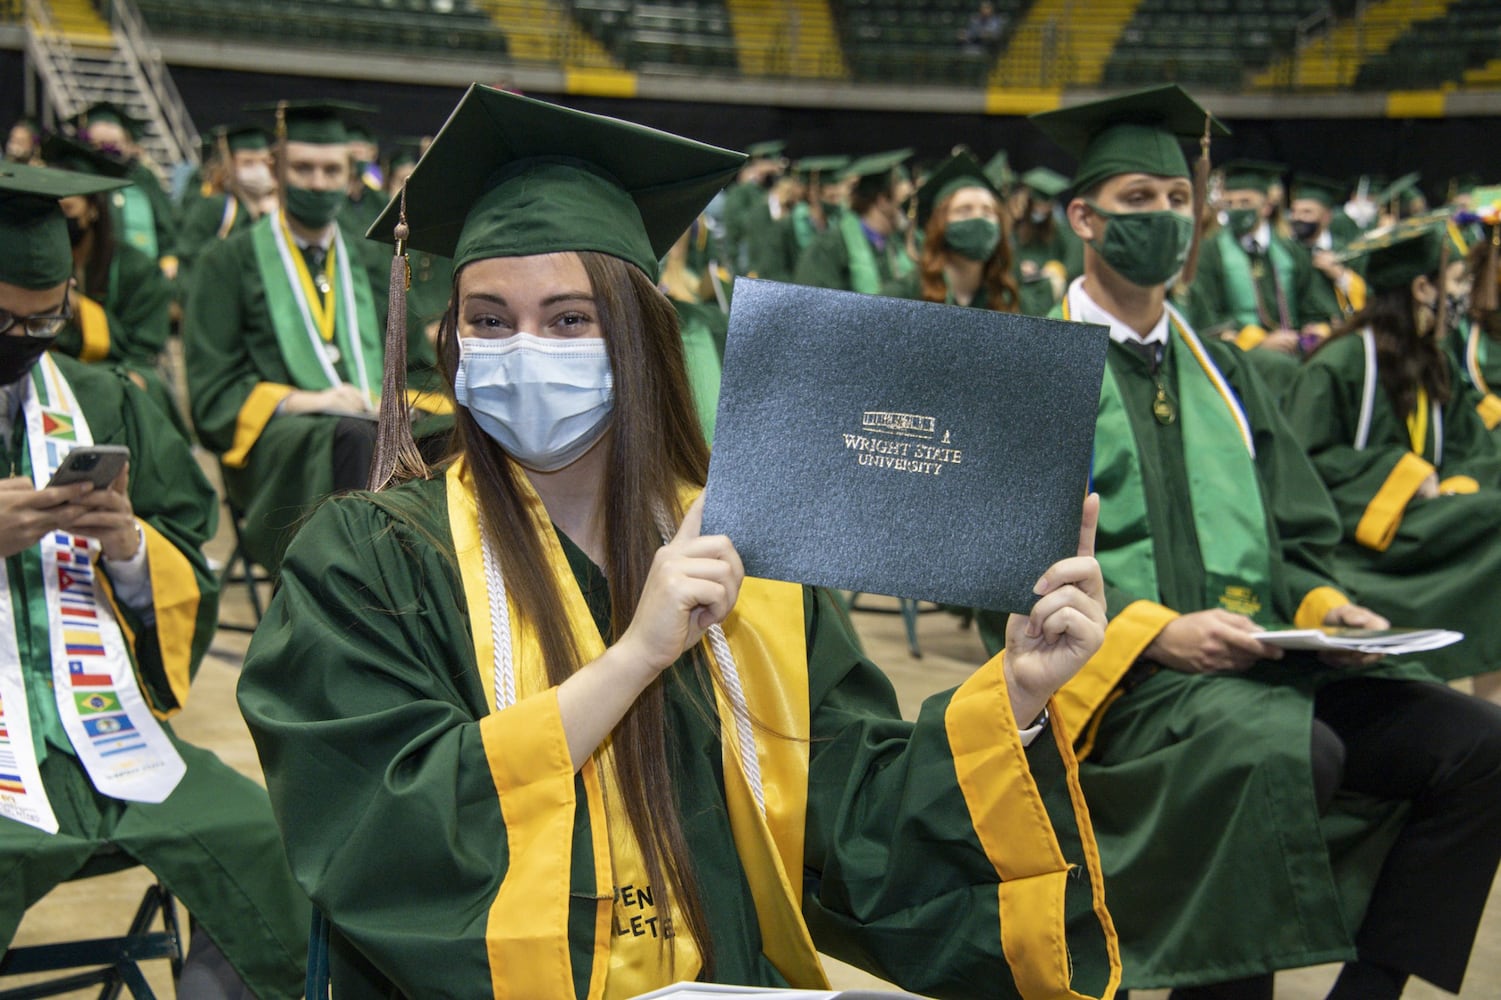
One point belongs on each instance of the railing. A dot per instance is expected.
(147, 65)
(49, 52)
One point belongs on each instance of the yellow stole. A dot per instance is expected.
(765, 634)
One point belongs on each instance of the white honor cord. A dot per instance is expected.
(505, 668)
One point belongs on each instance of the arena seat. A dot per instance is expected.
(1437, 51)
(428, 25)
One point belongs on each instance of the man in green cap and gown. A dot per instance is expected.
(1316, 204)
(243, 189)
(107, 606)
(745, 200)
(1255, 811)
(143, 213)
(283, 345)
(863, 249)
(397, 817)
(1256, 286)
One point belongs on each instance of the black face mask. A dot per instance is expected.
(76, 231)
(19, 353)
(1305, 231)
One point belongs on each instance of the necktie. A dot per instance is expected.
(316, 257)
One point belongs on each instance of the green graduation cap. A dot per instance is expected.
(1252, 175)
(1323, 190)
(956, 173)
(998, 169)
(321, 123)
(110, 113)
(877, 164)
(1139, 132)
(1048, 183)
(1394, 255)
(32, 227)
(765, 150)
(510, 176)
(824, 166)
(245, 138)
(69, 154)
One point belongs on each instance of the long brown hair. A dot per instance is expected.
(1405, 359)
(655, 444)
(1001, 291)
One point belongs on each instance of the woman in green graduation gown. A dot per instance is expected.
(529, 734)
(965, 259)
(1393, 430)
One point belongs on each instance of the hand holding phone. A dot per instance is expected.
(94, 463)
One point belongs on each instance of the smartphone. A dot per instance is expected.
(94, 463)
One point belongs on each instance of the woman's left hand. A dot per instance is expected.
(1066, 626)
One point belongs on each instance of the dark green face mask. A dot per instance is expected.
(314, 209)
(975, 239)
(1145, 248)
(1243, 221)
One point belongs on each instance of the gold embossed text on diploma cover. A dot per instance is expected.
(897, 447)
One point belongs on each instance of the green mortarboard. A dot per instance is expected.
(321, 123)
(359, 133)
(510, 176)
(69, 154)
(1326, 192)
(1048, 183)
(1252, 175)
(877, 163)
(32, 228)
(110, 113)
(956, 173)
(1138, 132)
(998, 169)
(1394, 255)
(246, 138)
(765, 150)
(824, 165)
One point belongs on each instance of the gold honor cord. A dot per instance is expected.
(322, 306)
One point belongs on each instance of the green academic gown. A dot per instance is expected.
(1249, 297)
(741, 202)
(376, 767)
(144, 218)
(205, 221)
(1478, 356)
(1200, 785)
(1419, 562)
(212, 841)
(826, 262)
(236, 377)
(703, 327)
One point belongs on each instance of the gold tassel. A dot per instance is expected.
(1200, 199)
(397, 457)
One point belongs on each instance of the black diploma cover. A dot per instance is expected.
(895, 447)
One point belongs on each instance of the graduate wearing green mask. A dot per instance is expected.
(1232, 786)
(283, 343)
(965, 259)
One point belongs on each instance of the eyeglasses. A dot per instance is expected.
(37, 326)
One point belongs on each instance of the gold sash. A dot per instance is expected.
(527, 930)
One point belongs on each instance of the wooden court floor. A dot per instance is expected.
(103, 906)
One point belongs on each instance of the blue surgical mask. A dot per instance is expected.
(544, 401)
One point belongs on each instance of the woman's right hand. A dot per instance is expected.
(693, 584)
